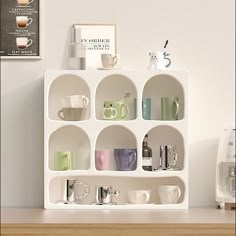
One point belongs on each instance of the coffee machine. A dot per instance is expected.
(226, 170)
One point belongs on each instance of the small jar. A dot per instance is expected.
(230, 181)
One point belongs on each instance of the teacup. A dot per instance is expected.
(23, 42)
(115, 110)
(139, 196)
(75, 101)
(23, 21)
(71, 114)
(169, 194)
(24, 3)
(110, 60)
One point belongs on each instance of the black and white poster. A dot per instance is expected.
(20, 29)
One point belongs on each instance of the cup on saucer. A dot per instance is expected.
(110, 61)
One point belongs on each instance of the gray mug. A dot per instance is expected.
(126, 159)
(169, 108)
(71, 114)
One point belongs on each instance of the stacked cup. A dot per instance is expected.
(74, 107)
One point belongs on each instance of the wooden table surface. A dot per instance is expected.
(35, 221)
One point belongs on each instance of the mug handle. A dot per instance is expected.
(85, 192)
(59, 114)
(114, 60)
(126, 111)
(177, 108)
(30, 20)
(30, 41)
(146, 195)
(30, 2)
(134, 158)
(85, 101)
(168, 59)
(68, 162)
(177, 193)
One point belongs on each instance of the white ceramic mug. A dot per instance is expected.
(75, 101)
(159, 61)
(23, 42)
(110, 60)
(139, 196)
(24, 2)
(169, 194)
(23, 21)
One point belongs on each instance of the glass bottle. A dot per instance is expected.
(230, 181)
(147, 155)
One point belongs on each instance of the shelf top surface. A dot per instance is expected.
(209, 215)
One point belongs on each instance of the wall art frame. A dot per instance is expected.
(98, 39)
(21, 29)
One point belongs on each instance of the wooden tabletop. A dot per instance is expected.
(35, 221)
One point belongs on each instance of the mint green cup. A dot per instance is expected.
(63, 160)
(115, 110)
(169, 108)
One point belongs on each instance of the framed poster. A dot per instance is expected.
(98, 39)
(20, 29)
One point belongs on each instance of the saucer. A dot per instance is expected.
(129, 203)
(108, 68)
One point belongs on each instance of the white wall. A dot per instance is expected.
(201, 41)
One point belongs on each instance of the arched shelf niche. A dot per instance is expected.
(114, 88)
(70, 139)
(63, 86)
(163, 86)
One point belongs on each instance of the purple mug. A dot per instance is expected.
(126, 159)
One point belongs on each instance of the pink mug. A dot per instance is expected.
(102, 159)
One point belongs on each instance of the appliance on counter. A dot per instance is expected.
(226, 170)
(77, 51)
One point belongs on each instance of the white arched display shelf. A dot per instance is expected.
(94, 133)
(114, 88)
(163, 85)
(63, 86)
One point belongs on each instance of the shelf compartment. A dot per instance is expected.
(123, 184)
(63, 86)
(114, 88)
(163, 85)
(166, 135)
(70, 139)
(115, 137)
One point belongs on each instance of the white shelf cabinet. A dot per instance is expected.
(94, 133)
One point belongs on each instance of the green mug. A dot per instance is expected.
(113, 110)
(169, 108)
(63, 160)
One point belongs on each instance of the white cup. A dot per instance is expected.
(110, 60)
(23, 21)
(75, 101)
(139, 196)
(24, 2)
(23, 42)
(169, 194)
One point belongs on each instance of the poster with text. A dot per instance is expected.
(20, 29)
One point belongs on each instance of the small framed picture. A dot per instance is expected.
(20, 29)
(98, 39)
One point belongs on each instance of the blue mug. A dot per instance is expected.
(126, 159)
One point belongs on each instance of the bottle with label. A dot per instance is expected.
(147, 155)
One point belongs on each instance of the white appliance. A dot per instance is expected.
(225, 170)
